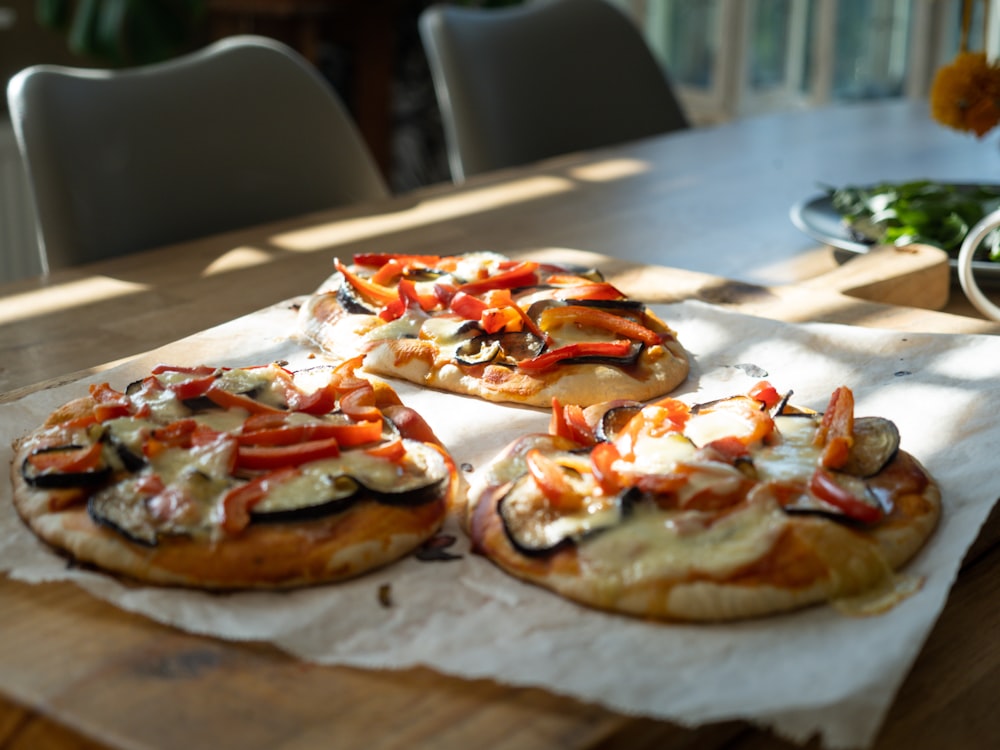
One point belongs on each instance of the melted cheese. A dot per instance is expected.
(655, 544)
(793, 457)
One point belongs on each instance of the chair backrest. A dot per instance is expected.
(522, 83)
(241, 132)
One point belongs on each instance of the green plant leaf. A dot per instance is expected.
(933, 213)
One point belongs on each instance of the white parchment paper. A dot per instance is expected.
(814, 671)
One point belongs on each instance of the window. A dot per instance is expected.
(730, 58)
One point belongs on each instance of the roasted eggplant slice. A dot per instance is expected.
(35, 473)
(626, 360)
(612, 305)
(308, 496)
(333, 486)
(130, 460)
(352, 302)
(876, 442)
(507, 348)
(536, 529)
(478, 351)
(424, 480)
(615, 419)
(118, 509)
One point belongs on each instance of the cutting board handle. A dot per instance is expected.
(915, 276)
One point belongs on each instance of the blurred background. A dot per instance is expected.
(728, 59)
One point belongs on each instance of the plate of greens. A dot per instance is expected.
(854, 218)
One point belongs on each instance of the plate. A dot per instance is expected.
(817, 218)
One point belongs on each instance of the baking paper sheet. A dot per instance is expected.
(814, 671)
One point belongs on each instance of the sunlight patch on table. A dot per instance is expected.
(430, 211)
(609, 169)
(65, 296)
(238, 258)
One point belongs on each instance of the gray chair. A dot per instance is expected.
(242, 132)
(522, 83)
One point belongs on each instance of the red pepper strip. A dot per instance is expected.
(393, 310)
(228, 400)
(766, 393)
(410, 296)
(602, 459)
(836, 430)
(388, 272)
(592, 290)
(391, 451)
(589, 316)
(182, 433)
(570, 279)
(533, 326)
(67, 460)
(177, 433)
(568, 421)
(359, 404)
(580, 349)
(551, 480)
(110, 403)
(521, 274)
(195, 370)
(377, 293)
(149, 386)
(255, 458)
(356, 433)
(274, 429)
(729, 449)
(410, 424)
(826, 488)
(496, 319)
(323, 400)
(193, 387)
(509, 312)
(239, 501)
(377, 260)
(467, 306)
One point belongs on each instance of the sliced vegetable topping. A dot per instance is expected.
(66, 466)
(582, 315)
(619, 352)
(196, 450)
(836, 431)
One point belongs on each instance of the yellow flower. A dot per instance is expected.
(965, 95)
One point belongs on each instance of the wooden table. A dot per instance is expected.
(76, 672)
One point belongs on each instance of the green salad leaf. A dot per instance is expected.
(933, 213)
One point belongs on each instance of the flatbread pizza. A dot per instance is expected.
(229, 478)
(742, 507)
(484, 325)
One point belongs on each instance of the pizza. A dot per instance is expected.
(230, 478)
(484, 325)
(741, 507)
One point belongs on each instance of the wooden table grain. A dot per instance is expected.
(76, 672)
